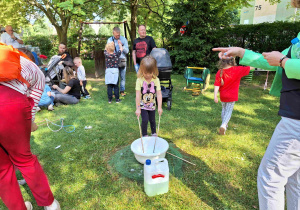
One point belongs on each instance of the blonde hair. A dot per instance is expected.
(77, 59)
(110, 47)
(223, 63)
(68, 74)
(148, 65)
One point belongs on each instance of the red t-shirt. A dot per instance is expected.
(232, 76)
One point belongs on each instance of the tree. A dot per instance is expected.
(141, 8)
(204, 17)
(13, 14)
(59, 12)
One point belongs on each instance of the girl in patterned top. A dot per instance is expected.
(112, 69)
(147, 86)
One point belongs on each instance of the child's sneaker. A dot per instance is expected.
(154, 134)
(28, 205)
(54, 206)
(222, 131)
(87, 97)
(38, 109)
(118, 100)
(109, 101)
(50, 107)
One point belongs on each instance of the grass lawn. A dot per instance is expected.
(225, 175)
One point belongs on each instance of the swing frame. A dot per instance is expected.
(125, 25)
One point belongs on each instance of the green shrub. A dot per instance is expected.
(210, 27)
(43, 42)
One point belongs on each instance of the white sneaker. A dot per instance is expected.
(222, 131)
(22, 182)
(54, 206)
(50, 107)
(28, 205)
(38, 109)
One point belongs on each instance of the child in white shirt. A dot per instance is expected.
(81, 77)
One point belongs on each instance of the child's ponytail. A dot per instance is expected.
(224, 63)
(221, 76)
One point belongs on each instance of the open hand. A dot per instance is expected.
(216, 100)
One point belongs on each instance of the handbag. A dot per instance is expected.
(122, 61)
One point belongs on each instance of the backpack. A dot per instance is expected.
(10, 67)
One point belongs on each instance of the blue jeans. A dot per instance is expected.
(122, 73)
(65, 98)
(47, 102)
(279, 169)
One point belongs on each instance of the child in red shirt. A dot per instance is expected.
(227, 82)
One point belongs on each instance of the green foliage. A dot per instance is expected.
(263, 37)
(211, 26)
(43, 42)
(12, 13)
(194, 47)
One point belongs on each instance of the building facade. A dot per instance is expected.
(261, 11)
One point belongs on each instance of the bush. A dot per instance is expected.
(43, 42)
(209, 27)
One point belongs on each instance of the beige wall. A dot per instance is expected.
(264, 12)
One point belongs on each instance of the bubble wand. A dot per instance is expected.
(157, 133)
(141, 134)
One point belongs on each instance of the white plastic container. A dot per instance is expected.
(156, 176)
(161, 148)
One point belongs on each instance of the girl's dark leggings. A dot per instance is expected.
(148, 116)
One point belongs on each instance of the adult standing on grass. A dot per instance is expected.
(280, 166)
(11, 38)
(18, 103)
(142, 46)
(122, 63)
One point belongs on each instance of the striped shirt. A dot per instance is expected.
(32, 74)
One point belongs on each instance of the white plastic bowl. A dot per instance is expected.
(160, 149)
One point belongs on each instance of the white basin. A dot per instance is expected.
(160, 149)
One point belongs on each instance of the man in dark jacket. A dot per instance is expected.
(68, 60)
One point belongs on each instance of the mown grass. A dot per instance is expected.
(225, 175)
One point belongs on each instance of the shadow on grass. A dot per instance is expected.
(80, 176)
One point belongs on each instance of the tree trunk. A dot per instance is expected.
(62, 33)
(99, 63)
(133, 19)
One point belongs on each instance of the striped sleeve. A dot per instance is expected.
(37, 82)
(32, 74)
